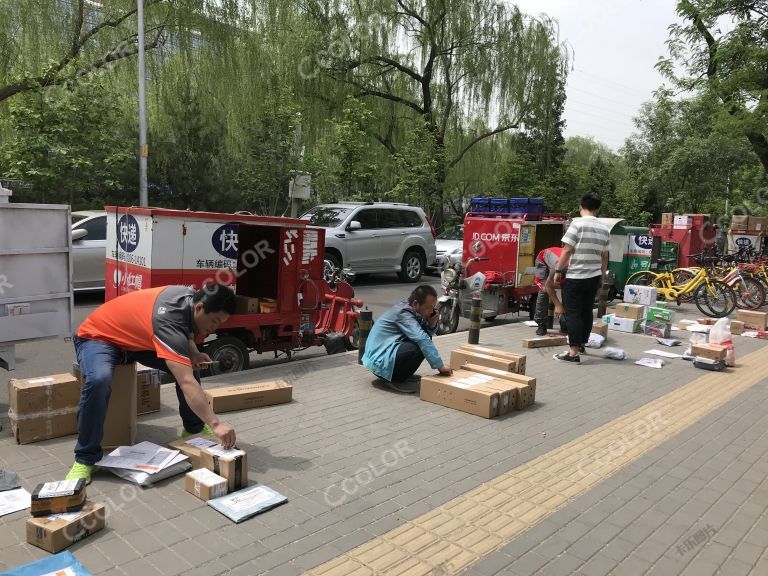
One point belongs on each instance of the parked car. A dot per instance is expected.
(89, 250)
(376, 237)
(448, 245)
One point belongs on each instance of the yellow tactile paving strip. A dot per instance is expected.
(454, 536)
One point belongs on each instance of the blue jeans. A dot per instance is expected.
(97, 362)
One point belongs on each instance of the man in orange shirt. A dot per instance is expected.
(157, 328)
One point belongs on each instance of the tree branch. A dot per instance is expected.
(408, 11)
(480, 138)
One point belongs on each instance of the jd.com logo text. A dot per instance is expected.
(337, 494)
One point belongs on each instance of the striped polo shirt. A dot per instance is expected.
(589, 238)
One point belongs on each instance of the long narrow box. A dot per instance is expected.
(710, 351)
(205, 484)
(525, 386)
(444, 391)
(519, 359)
(245, 396)
(147, 390)
(60, 531)
(58, 497)
(43, 408)
(545, 341)
(460, 357)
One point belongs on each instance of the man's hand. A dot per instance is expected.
(445, 371)
(433, 318)
(226, 434)
(559, 310)
(197, 358)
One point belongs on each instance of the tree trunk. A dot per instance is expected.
(760, 146)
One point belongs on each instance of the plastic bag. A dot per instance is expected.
(614, 354)
(9, 480)
(595, 341)
(721, 334)
(696, 338)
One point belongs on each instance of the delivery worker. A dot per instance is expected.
(402, 338)
(155, 327)
(546, 263)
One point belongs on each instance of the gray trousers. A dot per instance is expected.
(542, 300)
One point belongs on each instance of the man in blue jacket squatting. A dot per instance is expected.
(402, 338)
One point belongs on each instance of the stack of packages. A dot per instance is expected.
(640, 309)
(61, 515)
(219, 476)
(486, 382)
(751, 323)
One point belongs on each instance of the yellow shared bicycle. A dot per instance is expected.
(713, 297)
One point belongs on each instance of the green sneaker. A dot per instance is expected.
(207, 430)
(81, 471)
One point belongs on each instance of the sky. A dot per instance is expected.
(615, 45)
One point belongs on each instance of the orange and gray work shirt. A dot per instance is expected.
(157, 319)
(546, 263)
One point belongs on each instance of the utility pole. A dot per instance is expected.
(297, 143)
(143, 148)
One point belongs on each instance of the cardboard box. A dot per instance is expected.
(459, 357)
(120, 423)
(147, 390)
(642, 295)
(205, 484)
(757, 223)
(191, 451)
(753, 320)
(231, 464)
(245, 396)
(658, 322)
(737, 327)
(520, 359)
(608, 318)
(58, 497)
(520, 379)
(709, 351)
(55, 533)
(601, 328)
(739, 222)
(633, 311)
(471, 399)
(245, 305)
(668, 218)
(545, 341)
(43, 408)
(527, 280)
(629, 325)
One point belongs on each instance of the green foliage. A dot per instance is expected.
(69, 145)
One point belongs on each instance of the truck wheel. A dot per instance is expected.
(412, 267)
(230, 353)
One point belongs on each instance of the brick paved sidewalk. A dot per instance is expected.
(358, 461)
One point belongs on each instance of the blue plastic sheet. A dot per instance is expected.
(61, 564)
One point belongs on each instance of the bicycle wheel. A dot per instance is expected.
(681, 277)
(750, 293)
(715, 299)
(643, 278)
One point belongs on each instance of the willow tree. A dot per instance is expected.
(454, 65)
(722, 47)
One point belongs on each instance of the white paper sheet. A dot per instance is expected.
(663, 354)
(219, 450)
(531, 323)
(200, 442)
(144, 457)
(14, 500)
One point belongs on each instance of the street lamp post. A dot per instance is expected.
(143, 148)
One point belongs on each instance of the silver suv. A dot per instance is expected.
(376, 237)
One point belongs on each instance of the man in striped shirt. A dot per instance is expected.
(585, 245)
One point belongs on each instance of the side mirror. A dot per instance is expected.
(79, 234)
(354, 225)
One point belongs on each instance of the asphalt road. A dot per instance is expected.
(46, 357)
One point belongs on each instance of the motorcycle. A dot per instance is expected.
(449, 304)
(344, 309)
